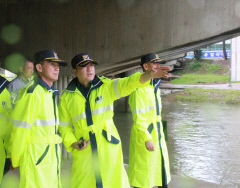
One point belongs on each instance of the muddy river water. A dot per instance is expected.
(203, 140)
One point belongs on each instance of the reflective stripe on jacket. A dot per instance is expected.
(146, 168)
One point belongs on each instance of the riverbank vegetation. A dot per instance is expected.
(201, 79)
(208, 95)
(203, 71)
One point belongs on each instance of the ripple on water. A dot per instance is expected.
(204, 141)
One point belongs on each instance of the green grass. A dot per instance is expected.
(202, 72)
(204, 66)
(201, 78)
(212, 68)
(209, 95)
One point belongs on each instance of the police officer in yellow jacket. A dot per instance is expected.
(5, 106)
(35, 140)
(148, 155)
(86, 114)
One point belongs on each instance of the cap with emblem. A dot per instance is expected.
(151, 57)
(48, 55)
(82, 59)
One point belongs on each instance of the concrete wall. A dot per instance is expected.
(113, 31)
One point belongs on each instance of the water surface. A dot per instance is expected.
(203, 140)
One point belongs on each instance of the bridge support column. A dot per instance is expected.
(235, 59)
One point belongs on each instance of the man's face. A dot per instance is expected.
(28, 69)
(48, 71)
(85, 74)
(151, 66)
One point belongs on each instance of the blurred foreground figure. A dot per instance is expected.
(5, 106)
(24, 78)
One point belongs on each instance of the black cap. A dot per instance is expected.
(82, 59)
(48, 55)
(151, 57)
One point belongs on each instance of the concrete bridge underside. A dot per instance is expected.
(117, 32)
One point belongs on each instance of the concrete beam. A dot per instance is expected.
(114, 31)
(168, 54)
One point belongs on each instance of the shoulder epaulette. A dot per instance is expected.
(63, 91)
(31, 88)
(3, 84)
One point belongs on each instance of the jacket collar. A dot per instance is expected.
(45, 85)
(75, 84)
(156, 82)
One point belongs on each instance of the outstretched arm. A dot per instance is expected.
(124, 86)
(159, 72)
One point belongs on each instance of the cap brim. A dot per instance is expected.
(59, 61)
(84, 62)
(159, 61)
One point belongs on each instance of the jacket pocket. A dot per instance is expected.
(150, 128)
(113, 139)
(43, 155)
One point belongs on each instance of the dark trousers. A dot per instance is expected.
(164, 186)
(7, 166)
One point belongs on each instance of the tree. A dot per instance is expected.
(197, 54)
(224, 51)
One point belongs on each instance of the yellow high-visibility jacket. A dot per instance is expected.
(147, 168)
(34, 139)
(89, 114)
(5, 106)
